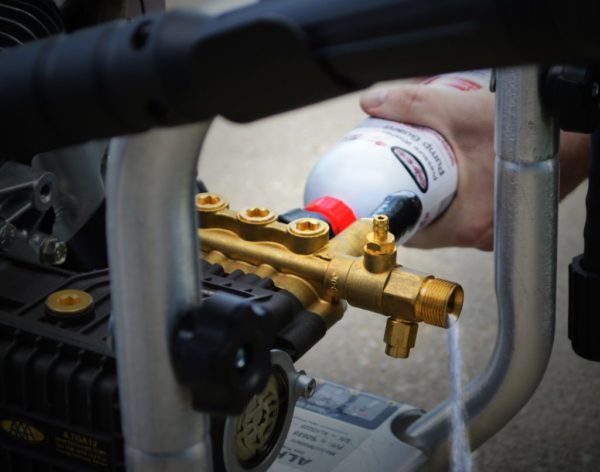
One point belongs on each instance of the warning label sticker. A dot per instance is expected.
(330, 426)
(52, 441)
(82, 447)
(313, 447)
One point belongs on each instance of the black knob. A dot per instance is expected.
(221, 351)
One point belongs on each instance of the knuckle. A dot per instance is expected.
(406, 100)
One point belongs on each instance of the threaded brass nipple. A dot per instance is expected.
(381, 227)
(437, 300)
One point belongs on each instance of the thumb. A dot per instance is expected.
(407, 103)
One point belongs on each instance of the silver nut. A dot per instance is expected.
(305, 386)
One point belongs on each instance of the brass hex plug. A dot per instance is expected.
(380, 248)
(210, 202)
(400, 337)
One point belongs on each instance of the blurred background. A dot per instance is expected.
(266, 163)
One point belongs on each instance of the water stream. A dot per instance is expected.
(460, 451)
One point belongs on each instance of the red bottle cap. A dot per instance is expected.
(339, 215)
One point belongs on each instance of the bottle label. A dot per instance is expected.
(463, 81)
(425, 156)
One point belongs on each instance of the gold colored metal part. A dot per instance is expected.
(439, 299)
(400, 337)
(255, 426)
(358, 265)
(257, 216)
(308, 228)
(69, 302)
(380, 248)
(210, 202)
(308, 235)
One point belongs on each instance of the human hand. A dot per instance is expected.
(466, 120)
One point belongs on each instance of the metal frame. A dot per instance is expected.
(154, 273)
(526, 208)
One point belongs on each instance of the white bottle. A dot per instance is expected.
(380, 157)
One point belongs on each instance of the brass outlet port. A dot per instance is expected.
(257, 216)
(210, 202)
(380, 247)
(438, 300)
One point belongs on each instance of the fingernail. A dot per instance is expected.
(374, 98)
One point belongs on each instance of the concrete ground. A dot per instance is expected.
(266, 163)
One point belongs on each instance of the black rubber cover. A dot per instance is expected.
(591, 231)
(403, 210)
(584, 311)
(180, 67)
(569, 91)
(584, 272)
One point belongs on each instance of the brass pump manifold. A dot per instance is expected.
(358, 266)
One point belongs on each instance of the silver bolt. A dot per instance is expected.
(53, 251)
(305, 386)
(8, 233)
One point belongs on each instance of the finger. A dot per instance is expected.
(407, 103)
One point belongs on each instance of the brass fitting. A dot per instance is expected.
(358, 266)
(210, 202)
(69, 302)
(257, 216)
(308, 235)
(380, 247)
(400, 337)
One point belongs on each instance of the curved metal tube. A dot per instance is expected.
(525, 256)
(153, 253)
